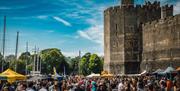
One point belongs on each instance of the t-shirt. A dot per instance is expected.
(169, 84)
(94, 87)
(43, 89)
(120, 87)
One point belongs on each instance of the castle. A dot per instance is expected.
(140, 37)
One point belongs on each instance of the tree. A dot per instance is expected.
(24, 59)
(90, 64)
(53, 58)
(21, 66)
(25, 56)
(95, 64)
(84, 64)
(11, 60)
(75, 65)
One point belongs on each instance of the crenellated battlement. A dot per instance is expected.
(156, 3)
(167, 7)
(166, 11)
(159, 21)
(112, 9)
(146, 7)
(150, 6)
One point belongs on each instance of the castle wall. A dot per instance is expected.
(114, 52)
(161, 43)
(131, 39)
(106, 41)
(148, 12)
(124, 35)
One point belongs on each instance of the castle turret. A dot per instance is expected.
(166, 11)
(127, 2)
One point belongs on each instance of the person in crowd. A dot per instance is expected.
(64, 85)
(177, 83)
(93, 86)
(24, 86)
(122, 83)
(169, 85)
(140, 85)
(56, 87)
(43, 87)
(121, 86)
(30, 87)
(162, 84)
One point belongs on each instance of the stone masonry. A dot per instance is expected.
(126, 46)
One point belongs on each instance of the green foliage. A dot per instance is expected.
(90, 64)
(29, 67)
(25, 56)
(95, 64)
(75, 65)
(10, 58)
(84, 66)
(21, 66)
(53, 58)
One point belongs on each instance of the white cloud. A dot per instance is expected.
(177, 8)
(5, 8)
(70, 54)
(62, 21)
(93, 33)
(42, 17)
(50, 31)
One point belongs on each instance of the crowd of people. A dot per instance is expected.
(116, 83)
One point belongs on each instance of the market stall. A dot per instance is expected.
(12, 76)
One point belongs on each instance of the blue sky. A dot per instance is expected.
(70, 25)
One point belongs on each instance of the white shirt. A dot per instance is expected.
(43, 89)
(121, 87)
(30, 89)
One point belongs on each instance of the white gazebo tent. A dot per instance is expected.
(93, 75)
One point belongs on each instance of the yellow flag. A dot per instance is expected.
(55, 73)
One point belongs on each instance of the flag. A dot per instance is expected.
(55, 73)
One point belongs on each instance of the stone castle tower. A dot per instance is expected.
(123, 34)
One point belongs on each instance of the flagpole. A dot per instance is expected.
(16, 51)
(79, 62)
(64, 71)
(4, 41)
(26, 57)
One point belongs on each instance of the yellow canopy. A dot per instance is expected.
(106, 74)
(12, 76)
